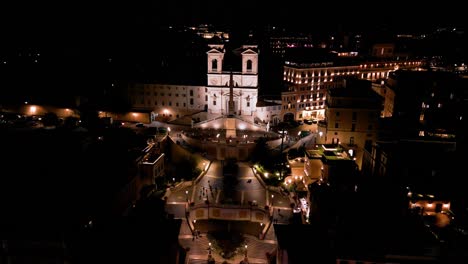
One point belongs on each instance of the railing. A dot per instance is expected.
(228, 206)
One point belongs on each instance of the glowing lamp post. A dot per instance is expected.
(210, 257)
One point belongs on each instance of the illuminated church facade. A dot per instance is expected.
(172, 101)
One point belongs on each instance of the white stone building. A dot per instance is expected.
(245, 92)
(169, 101)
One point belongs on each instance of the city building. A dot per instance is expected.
(279, 44)
(152, 164)
(420, 163)
(424, 104)
(167, 101)
(309, 73)
(209, 32)
(351, 117)
(333, 164)
(242, 66)
(268, 111)
(170, 101)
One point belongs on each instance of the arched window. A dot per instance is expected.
(249, 65)
(214, 65)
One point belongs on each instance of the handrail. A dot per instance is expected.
(228, 206)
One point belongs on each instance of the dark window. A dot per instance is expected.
(351, 140)
(191, 101)
(248, 104)
(214, 102)
(191, 92)
(249, 65)
(337, 113)
(354, 116)
(206, 98)
(214, 65)
(336, 125)
(353, 127)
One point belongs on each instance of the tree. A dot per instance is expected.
(187, 168)
(260, 152)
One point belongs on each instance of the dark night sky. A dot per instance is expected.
(78, 20)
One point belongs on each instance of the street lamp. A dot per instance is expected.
(186, 195)
(272, 196)
(283, 134)
(246, 260)
(209, 248)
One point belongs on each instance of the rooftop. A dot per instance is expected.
(266, 103)
(317, 58)
(329, 152)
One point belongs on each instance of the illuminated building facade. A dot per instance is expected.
(351, 117)
(171, 101)
(245, 78)
(307, 83)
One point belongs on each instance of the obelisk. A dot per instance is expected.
(231, 96)
(230, 121)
